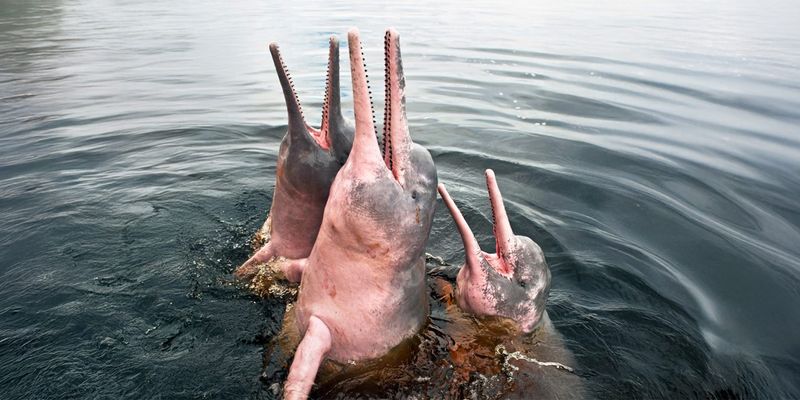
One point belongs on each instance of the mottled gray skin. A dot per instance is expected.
(513, 296)
(513, 282)
(308, 161)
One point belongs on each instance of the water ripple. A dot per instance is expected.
(648, 148)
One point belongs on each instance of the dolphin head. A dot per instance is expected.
(309, 155)
(512, 282)
(394, 190)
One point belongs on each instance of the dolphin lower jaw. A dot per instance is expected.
(397, 141)
(501, 226)
(331, 104)
(333, 62)
(387, 120)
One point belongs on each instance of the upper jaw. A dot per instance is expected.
(396, 146)
(331, 107)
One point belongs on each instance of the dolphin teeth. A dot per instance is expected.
(324, 125)
(366, 76)
(494, 219)
(289, 79)
(387, 114)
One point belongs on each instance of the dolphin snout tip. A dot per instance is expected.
(489, 173)
(352, 34)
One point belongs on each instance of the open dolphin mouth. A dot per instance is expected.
(396, 147)
(321, 136)
(502, 229)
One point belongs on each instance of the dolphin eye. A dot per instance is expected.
(414, 194)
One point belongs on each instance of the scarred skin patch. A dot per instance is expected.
(332, 290)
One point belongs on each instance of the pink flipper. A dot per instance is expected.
(291, 269)
(249, 269)
(312, 350)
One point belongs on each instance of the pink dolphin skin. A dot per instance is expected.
(308, 161)
(514, 281)
(364, 289)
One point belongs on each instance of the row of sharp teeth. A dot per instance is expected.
(387, 121)
(366, 76)
(494, 220)
(328, 90)
(291, 84)
(387, 144)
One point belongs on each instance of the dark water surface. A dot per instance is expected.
(652, 151)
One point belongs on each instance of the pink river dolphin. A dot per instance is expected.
(350, 220)
(363, 290)
(514, 281)
(308, 161)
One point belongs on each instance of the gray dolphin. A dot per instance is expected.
(308, 161)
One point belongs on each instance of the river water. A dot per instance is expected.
(651, 150)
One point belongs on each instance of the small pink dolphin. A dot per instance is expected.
(514, 281)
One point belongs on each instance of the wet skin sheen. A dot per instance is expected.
(364, 289)
(307, 164)
(514, 281)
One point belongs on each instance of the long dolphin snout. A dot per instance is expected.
(293, 107)
(397, 140)
(365, 144)
(502, 227)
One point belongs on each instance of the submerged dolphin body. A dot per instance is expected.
(307, 164)
(364, 290)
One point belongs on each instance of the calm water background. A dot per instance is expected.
(652, 150)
